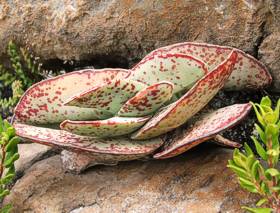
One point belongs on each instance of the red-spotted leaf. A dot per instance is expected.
(43, 102)
(181, 70)
(248, 72)
(110, 96)
(147, 100)
(85, 144)
(206, 127)
(111, 127)
(192, 102)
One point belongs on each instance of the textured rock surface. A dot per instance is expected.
(269, 53)
(121, 32)
(193, 182)
(29, 154)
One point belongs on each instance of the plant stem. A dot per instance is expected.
(226, 142)
(2, 160)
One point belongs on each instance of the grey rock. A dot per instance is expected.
(29, 154)
(194, 182)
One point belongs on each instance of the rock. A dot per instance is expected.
(194, 182)
(269, 53)
(29, 154)
(119, 33)
(127, 30)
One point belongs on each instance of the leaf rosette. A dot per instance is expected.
(118, 114)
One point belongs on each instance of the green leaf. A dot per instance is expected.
(250, 160)
(248, 150)
(11, 131)
(238, 159)
(1, 125)
(277, 109)
(11, 160)
(261, 133)
(249, 188)
(254, 170)
(270, 118)
(259, 116)
(239, 171)
(265, 188)
(259, 148)
(6, 125)
(12, 145)
(272, 172)
(266, 101)
(4, 193)
(7, 179)
(261, 202)
(257, 210)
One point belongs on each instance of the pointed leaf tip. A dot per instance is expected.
(206, 127)
(248, 71)
(192, 102)
(148, 100)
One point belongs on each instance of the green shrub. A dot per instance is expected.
(259, 174)
(8, 155)
(23, 72)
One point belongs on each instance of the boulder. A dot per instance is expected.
(269, 53)
(30, 154)
(193, 182)
(119, 33)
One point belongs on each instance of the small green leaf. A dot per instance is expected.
(249, 188)
(261, 133)
(259, 116)
(11, 160)
(1, 125)
(254, 170)
(271, 129)
(259, 148)
(266, 101)
(250, 160)
(270, 118)
(12, 145)
(257, 210)
(246, 182)
(237, 158)
(264, 188)
(248, 150)
(277, 109)
(272, 172)
(7, 178)
(239, 171)
(261, 202)
(4, 193)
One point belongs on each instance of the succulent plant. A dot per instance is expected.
(112, 115)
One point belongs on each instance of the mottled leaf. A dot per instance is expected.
(109, 96)
(188, 105)
(85, 144)
(147, 100)
(248, 72)
(181, 70)
(205, 128)
(43, 102)
(111, 127)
